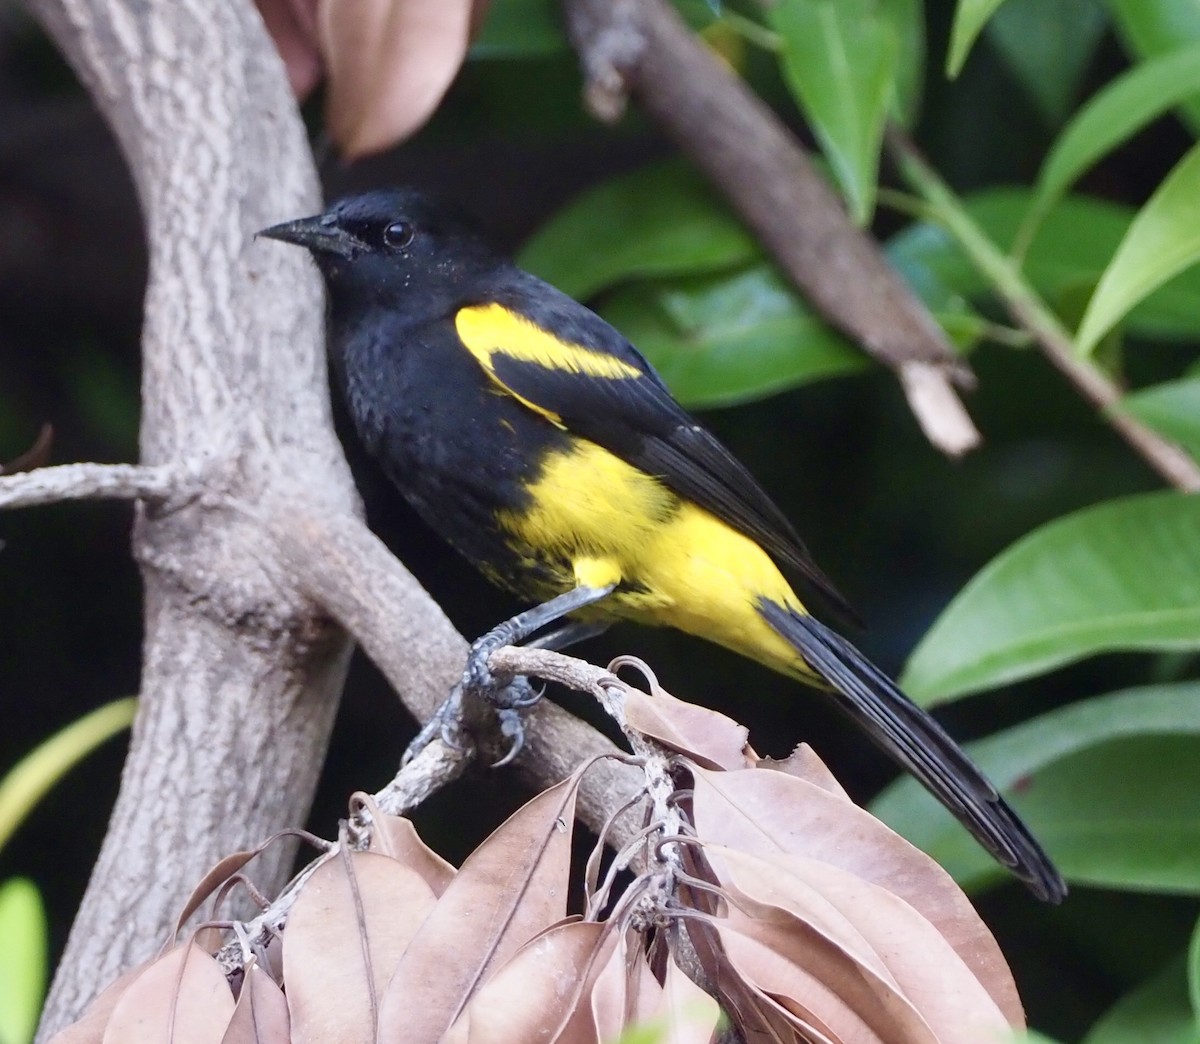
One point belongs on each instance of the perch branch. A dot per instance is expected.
(342, 566)
(747, 152)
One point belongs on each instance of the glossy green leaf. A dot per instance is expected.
(1126, 105)
(1149, 28)
(719, 340)
(969, 19)
(1163, 240)
(659, 220)
(1171, 408)
(1108, 785)
(47, 763)
(1048, 45)
(1121, 575)
(520, 29)
(1065, 259)
(908, 20)
(839, 59)
(24, 952)
(1156, 1012)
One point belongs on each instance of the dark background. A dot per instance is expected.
(897, 526)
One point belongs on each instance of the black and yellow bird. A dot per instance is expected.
(540, 444)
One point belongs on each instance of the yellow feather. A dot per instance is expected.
(599, 520)
(490, 330)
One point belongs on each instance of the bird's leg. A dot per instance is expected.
(478, 676)
(512, 696)
(570, 633)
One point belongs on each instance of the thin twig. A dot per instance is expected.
(94, 482)
(1033, 315)
(764, 172)
(430, 770)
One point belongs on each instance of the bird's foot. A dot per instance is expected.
(510, 697)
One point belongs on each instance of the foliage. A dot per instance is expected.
(1109, 782)
(807, 918)
(1088, 616)
(24, 960)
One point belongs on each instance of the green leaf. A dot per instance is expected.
(23, 960)
(907, 18)
(47, 763)
(1126, 105)
(1154, 1013)
(1163, 240)
(719, 340)
(1149, 28)
(839, 59)
(520, 29)
(1066, 259)
(659, 220)
(1171, 408)
(1121, 575)
(969, 20)
(1108, 785)
(1193, 973)
(1048, 45)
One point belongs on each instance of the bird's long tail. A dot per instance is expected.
(919, 744)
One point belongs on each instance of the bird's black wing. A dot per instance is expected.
(574, 368)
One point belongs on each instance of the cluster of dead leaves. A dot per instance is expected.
(802, 918)
(387, 62)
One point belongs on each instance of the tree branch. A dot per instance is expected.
(94, 482)
(767, 176)
(1032, 315)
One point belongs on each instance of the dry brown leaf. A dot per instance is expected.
(37, 456)
(397, 838)
(625, 992)
(181, 998)
(221, 871)
(803, 763)
(919, 960)
(765, 813)
(261, 1015)
(756, 1016)
(686, 1014)
(863, 942)
(509, 889)
(344, 937)
(389, 63)
(542, 993)
(90, 1027)
(292, 25)
(762, 959)
(707, 737)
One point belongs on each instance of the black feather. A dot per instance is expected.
(915, 740)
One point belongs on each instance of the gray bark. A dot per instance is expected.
(241, 675)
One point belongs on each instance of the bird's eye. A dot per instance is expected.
(398, 235)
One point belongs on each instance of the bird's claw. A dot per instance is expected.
(512, 728)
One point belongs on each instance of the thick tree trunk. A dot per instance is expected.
(241, 675)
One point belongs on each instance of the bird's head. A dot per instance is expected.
(391, 247)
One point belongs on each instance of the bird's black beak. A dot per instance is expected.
(318, 234)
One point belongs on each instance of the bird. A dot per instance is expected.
(537, 440)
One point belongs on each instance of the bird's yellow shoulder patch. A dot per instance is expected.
(492, 330)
